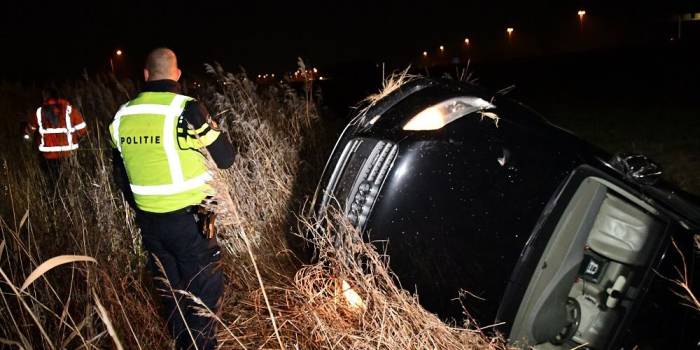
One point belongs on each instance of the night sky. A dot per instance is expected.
(60, 39)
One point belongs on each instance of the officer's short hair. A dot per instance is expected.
(161, 62)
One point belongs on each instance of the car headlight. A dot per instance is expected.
(445, 112)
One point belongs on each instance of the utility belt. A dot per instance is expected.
(205, 219)
(206, 222)
(192, 209)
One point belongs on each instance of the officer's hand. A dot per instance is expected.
(210, 201)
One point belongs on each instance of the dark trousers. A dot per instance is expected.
(190, 262)
(52, 171)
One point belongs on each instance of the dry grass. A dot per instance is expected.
(272, 299)
(392, 82)
(315, 312)
(682, 282)
(389, 85)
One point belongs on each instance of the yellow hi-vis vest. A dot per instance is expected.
(166, 172)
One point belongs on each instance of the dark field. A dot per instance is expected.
(633, 101)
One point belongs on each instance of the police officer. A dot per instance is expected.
(158, 138)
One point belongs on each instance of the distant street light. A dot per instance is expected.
(581, 13)
(510, 31)
(442, 48)
(118, 53)
(425, 53)
(466, 41)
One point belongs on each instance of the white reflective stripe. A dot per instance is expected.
(53, 131)
(79, 126)
(41, 128)
(115, 128)
(169, 145)
(171, 188)
(38, 118)
(71, 147)
(68, 130)
(69, 126)
(143, 109)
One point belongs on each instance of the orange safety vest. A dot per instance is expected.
(57, 137)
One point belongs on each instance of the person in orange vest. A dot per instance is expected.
(57, 127)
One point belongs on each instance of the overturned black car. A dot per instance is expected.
(556, 243)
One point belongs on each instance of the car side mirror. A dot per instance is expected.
(638, 168)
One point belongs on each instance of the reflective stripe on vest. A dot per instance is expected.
(161, 190)
(171, 113)
(68, 130)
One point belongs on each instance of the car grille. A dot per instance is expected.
(358, 176)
